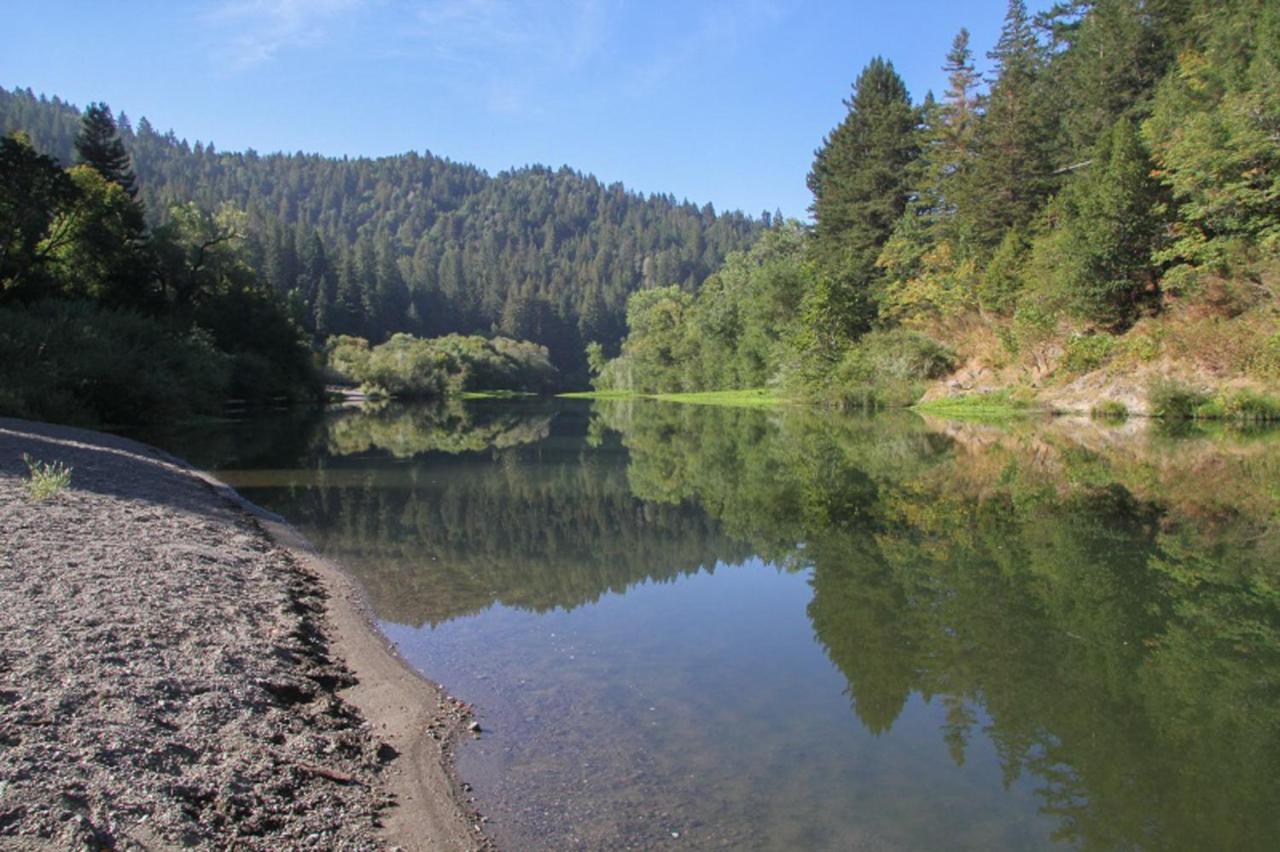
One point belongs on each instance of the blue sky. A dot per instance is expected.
(703, 99)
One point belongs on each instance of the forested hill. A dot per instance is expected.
(419, 243)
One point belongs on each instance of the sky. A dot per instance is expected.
(707, 100)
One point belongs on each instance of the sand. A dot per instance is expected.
(178, 667)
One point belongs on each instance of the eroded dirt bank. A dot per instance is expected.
(176, 670)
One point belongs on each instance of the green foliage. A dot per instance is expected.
(98, 146)
(1001, 282)
(1213, 136)
(417, 243)
(1085, 352)
(347, 358)
(1171, 400)
(1265, 363)
(1110, 231)
(1248, 405)
(860, 189)
(407, 367)
(1012, 174)
(886, 369)
(45, 479)
(89, 364)
(1109, 409)
(1109, 63)
(33, 189)
(739, 331)
(178, 312)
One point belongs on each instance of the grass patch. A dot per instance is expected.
(997, 405)
(46, 478)
(1248, 405)
(1109, 409)
(748, 398)
(601, 394)
(495, 394)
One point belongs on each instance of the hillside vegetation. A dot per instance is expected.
(103, 319)
(1094, 219)
(417, 243)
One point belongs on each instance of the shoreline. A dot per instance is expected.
(395, 729)
(408, 711)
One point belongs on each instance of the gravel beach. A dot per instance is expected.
(179, 670)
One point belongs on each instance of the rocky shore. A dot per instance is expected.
(178, 669)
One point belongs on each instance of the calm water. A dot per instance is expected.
(703, 627)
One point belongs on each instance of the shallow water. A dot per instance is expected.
(689, 626)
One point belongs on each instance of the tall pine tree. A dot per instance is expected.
(98, 145)
(1013, 175)
(860, 186)
(1111, 228)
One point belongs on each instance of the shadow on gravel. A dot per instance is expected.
(103, 463)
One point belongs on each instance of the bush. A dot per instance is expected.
(346, 358)
(77, 362)
(1266, 361)
(1171, 400)
(408, 367)
(269, 357)
(1249, 405)
(1086, 352)
(887, 369)
(1109, 409)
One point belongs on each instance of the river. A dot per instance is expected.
(703, 627)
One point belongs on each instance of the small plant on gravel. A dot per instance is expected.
(47, 478)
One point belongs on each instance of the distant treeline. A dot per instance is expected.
(1118, 162)
(419, 244)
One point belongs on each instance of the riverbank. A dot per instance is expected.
(179, 668)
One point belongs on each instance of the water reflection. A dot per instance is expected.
(1109, 599)
(1091, 613)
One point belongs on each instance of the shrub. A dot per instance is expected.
(1171, 400)
(888, 368)
(1085, 352)
(346, 358)
(1249, 405)
(1109, 409)
(410, 367)
(46, 479)
(82, 363)
(1266, 361)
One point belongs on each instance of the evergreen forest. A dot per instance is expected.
(1096, 196)
(1100, 191)
(416, 243)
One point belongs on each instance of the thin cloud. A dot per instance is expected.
(260, 29)
(722, 26)
(513, 49)
(537, 37)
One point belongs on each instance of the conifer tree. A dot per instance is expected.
(1111, 228)
(98, 145)
(954, 145)
(860, 184)
(1013, 175)
(1115, 57)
